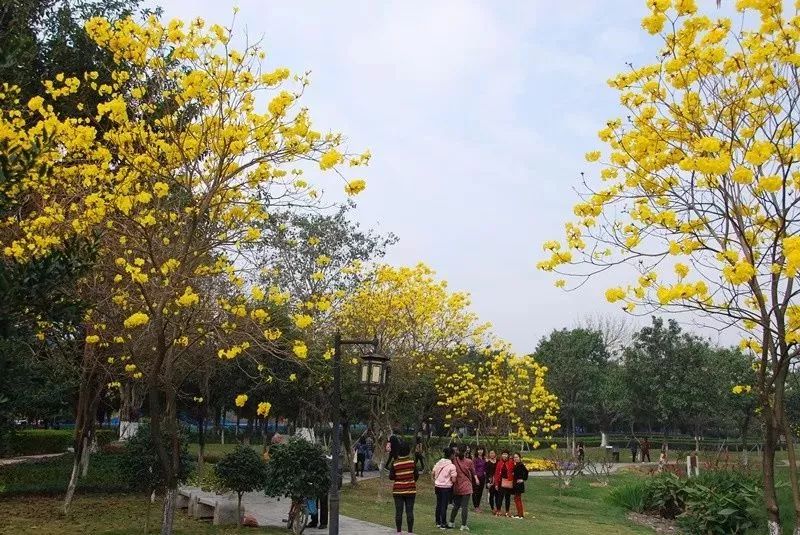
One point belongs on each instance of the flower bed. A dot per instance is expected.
(538, 465)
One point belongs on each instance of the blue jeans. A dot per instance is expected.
(443, 498)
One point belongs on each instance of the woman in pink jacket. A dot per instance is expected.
(444, 475)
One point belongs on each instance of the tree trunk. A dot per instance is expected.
(88, 400)
(201, 439)
(239, 510)
(88, 441)
(603, 439)
(573, 434)
(787, 432)
(73, 482)
(222, 431)
(745, 428)
(169, 511)
(348, 451)
(248, 431)
(768, 469)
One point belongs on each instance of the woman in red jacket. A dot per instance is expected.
(504, 481)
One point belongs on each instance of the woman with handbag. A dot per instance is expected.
(504, 481)
(520, 477)
(462, 488)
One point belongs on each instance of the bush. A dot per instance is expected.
(140, 466)
(40, 441)
(45, 441)
(666, 495)
(724, 502)
(717, 502)
(297, 469)
(629, 496)
(242, 470)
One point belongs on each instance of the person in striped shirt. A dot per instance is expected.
(404, 474)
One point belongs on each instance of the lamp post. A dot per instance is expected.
(374, 373)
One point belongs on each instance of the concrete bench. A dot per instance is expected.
(182, 500)
(221, 511)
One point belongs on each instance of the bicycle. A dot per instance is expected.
(298, 516)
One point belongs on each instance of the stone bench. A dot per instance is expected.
(200, 505)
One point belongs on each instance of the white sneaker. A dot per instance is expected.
(464, 528)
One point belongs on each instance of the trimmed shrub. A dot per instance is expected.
(297, 469)
(41, 441)
(140, 466)
(45, 441)
(242, 470)
(50, 476)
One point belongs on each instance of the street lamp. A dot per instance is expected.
(374, 373)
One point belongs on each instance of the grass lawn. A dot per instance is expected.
(118, 514)
(579, 510)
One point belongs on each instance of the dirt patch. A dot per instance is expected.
(656, 523)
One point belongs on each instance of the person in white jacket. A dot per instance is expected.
(444, 475)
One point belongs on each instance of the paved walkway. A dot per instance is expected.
(616, 467)
(28, 459)
(271, 512)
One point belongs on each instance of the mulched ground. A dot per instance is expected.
(656, 523)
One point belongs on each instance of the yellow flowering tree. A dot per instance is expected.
(417, 321)
(198, 141)
(698, 191)
(498, 393)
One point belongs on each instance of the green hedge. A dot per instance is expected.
(51, 476)
(43, 441)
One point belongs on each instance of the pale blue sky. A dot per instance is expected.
(477, 113)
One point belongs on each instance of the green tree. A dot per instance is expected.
(574, 358)
(241, 471)
(666, 373)
(297, 469)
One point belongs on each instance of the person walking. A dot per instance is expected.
(444, 476)
(480, 471)
(491, 468)
(404, 473)
(504, 482)
(633, 445)
(361, 456)
(462, 489)
(419, 454)
(393, 446)
(319, 513)
(520, 477)
(646, 449)
(370, 449)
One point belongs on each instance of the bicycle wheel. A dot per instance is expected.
(300, 521)
(291, 519)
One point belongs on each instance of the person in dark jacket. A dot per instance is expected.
(491, 468)
(520, 477)
(646, 449)
(394, 446)
(404, 490)
(419, 454)
(361, 456)
(319, 518)
(633, 445)
(480, 470)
